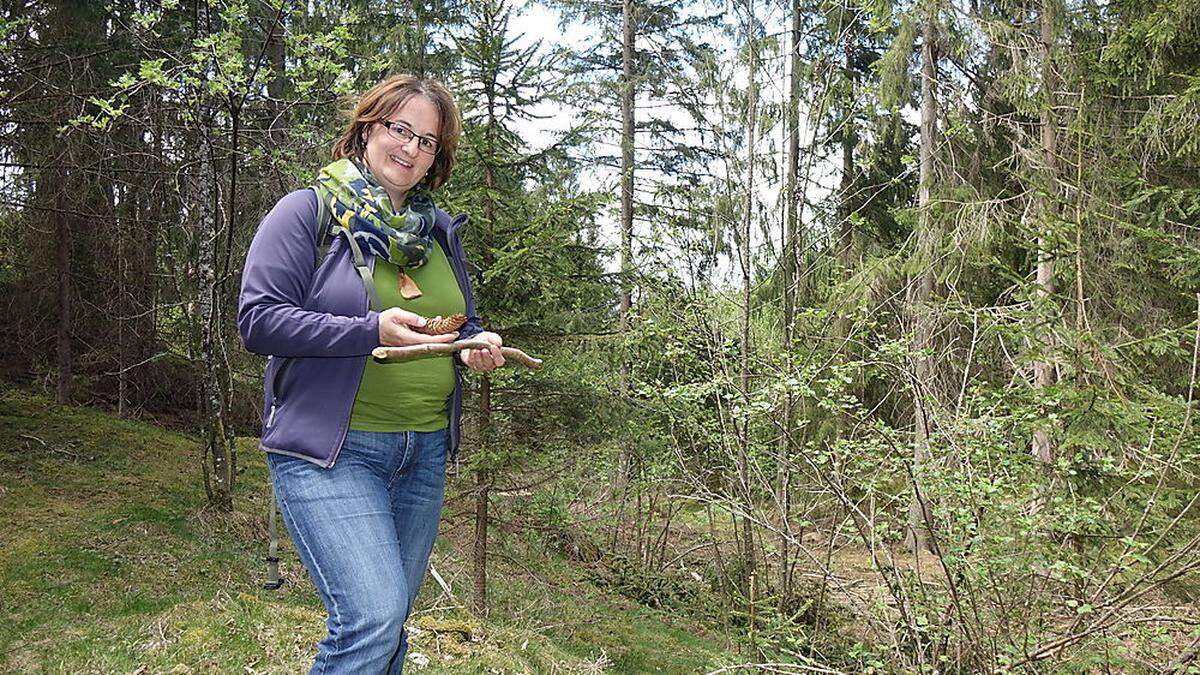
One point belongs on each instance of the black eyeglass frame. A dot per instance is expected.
(399, 130)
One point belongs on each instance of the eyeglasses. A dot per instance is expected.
(403, 134)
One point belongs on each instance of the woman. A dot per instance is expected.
(356, 449)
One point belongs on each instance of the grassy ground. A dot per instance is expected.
(109, 563)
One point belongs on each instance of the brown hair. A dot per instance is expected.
(390, 94)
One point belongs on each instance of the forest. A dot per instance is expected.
(871, 327)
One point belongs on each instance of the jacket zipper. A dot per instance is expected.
(459, 264)
(271, 415)
(346, 429)
(276, 387)
(337, 449)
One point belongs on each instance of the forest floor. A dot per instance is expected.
(110, 563)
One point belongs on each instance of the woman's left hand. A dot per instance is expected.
(484, 360)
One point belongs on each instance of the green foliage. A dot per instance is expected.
(893, 68)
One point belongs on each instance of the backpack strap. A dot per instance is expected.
(274, 581)
(363, 270)
(323, 236)
(325, 232)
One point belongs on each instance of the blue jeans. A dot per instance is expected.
(364, 529)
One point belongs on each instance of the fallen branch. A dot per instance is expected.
(430, 349)
(1180, 663)
(441, 582)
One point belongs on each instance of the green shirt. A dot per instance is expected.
(410, 396)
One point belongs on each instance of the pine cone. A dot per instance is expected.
(439, 325)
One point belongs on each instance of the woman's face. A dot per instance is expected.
(398, 166)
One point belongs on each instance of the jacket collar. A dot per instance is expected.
(449, 225)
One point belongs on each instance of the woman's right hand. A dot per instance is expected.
(396, 329)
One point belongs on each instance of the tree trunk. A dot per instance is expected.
(847, 139)
(123, 305)
(63, 263)
(846, 249)
(628, 92)
(743, 425)
(921, 290)
(276, 54)
(218, 478)
(422, 50)
(792, 247)
(1043, 369)
(479, 550)
(627, 143)
(482, 473)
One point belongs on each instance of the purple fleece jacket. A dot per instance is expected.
(312, 318)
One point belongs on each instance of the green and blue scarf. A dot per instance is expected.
(361, 206)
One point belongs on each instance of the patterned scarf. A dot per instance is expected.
(362, 207)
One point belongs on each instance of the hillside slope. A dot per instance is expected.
(109, 563)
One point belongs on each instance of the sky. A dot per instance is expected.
(533, 21)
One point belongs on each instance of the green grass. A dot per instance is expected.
(110, 563)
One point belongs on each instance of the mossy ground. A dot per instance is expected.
(111, 563)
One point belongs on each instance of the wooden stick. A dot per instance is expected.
(431, 349)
